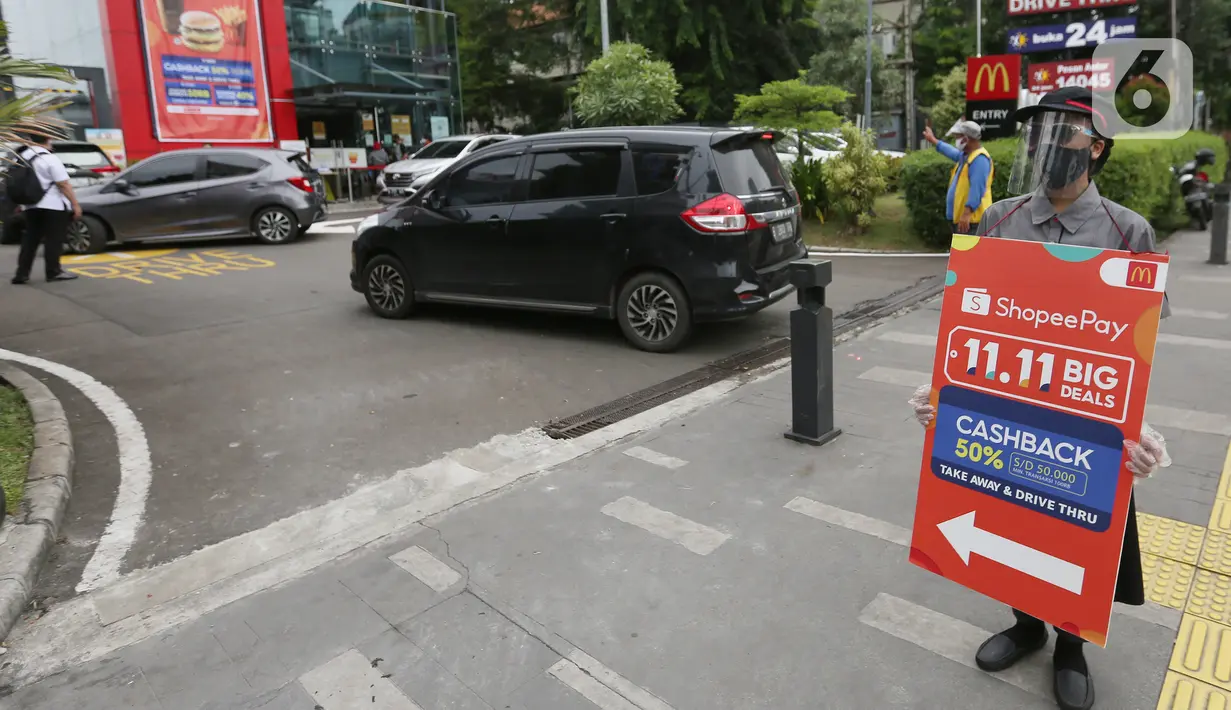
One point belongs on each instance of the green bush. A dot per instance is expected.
(891, 168)
(808, 177)
(854, 178)
(1137, 176)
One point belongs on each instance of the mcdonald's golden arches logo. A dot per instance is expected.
(993, 78)
(1142, 274)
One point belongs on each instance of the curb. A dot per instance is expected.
(822, 251)
(28, 537)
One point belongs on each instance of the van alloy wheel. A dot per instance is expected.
(652, 313)
(275, 226)
(387, 288)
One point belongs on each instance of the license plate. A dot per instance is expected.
(782, 231)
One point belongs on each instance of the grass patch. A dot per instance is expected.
(890, 230)
(16, 444)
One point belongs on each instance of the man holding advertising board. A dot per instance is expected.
(1034, 414)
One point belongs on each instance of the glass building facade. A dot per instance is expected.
(364, 70)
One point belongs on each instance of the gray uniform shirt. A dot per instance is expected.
(1091, 221)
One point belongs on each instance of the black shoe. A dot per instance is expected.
(62, 276)
(1071, 682)
(1010, 646)
(19, 280)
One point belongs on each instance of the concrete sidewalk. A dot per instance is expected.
(708, 563)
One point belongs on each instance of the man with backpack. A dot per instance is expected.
(39, 182)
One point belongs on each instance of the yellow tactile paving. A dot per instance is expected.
(1210, 597)
(1170, 538)
(1166, 581)
(1220, 517)
(1216, 553)
(1183, 693)
(1203, 651)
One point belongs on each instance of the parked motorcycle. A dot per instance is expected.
(1195, 187)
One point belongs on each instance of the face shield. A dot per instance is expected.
(1054, 150)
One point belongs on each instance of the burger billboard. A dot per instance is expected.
(206, 67)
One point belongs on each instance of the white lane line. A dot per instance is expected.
(639, 696)
(318, 229)
(878, 255)
(849, 520)
(694, 536)
(652, 456)
(351, 682)
(71, 633)
(1197, 313)
(1190, 419)
(335, 222)
(897, 336)
(569, 674)
(1151, 613)
(953, 639)
(128, 511)
(1212, 343)
(426, 568)
(1208, 279)
(895, 376)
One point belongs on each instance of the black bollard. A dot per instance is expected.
(812, 355)
(1220, 226)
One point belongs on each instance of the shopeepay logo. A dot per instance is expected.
(993, 78)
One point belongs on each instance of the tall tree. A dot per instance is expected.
(842, 60)
(505, 48)
(719, 48)
(627, 87)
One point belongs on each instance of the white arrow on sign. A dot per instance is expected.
(966, 538)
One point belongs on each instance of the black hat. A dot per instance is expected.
(1075, 100)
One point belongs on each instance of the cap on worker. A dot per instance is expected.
(970, 129)
(1070, 99)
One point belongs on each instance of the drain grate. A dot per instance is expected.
(631, 404)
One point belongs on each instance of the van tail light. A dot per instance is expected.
(724, 213)
(105, 169)
(302, 183)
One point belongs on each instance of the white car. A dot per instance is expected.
(819, 145)
(396, 179)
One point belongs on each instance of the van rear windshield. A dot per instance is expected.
(748, 166)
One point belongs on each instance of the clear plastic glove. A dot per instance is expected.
(1148, 455)
(921, 402)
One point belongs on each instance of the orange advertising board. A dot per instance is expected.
(206, 69)
(1042, 365)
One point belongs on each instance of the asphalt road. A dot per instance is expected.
(266, 387)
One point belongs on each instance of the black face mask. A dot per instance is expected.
(1067, 164)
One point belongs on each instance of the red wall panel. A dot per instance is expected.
(129, 81)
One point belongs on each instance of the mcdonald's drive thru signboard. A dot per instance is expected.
(992, 84)
(1042, 365)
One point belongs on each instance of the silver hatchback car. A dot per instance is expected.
(207, 193)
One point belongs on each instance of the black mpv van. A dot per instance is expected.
(656, 227)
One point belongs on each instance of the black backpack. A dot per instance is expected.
(21, 184)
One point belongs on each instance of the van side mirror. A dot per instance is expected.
(434, 200)
(121, 185)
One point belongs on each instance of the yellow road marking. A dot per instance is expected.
(114, 256)
(147, 266)
(1183, 693)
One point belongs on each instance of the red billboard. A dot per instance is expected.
(993, 78)
(1086, 73)
(1042, 365)
(206, 66)
(1036, 7)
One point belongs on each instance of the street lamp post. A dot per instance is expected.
(867, 80)
(602, 5)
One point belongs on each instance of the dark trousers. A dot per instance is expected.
(1062, 636)
(50, 227)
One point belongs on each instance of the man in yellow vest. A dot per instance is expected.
(970, 183)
